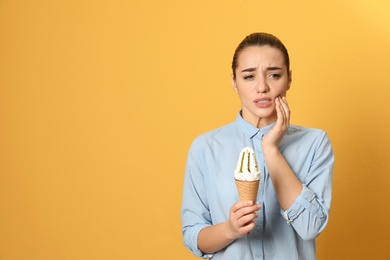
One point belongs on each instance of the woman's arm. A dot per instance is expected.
(201, 235)
(287, 185)
(304, 205)
(241, 221)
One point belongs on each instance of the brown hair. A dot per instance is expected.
(260, 39)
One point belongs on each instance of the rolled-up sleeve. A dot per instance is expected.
(309, 214)
(195, 209)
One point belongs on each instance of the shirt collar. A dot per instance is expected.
(248, 129)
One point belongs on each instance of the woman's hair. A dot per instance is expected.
(260, 39)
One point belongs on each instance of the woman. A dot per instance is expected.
(296, 165)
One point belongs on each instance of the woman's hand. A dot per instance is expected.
(241, 218)
(211, 239)
(275, 135)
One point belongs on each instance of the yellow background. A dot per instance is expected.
(100, 101)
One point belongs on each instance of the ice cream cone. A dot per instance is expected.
(247, 190)
(247, 175)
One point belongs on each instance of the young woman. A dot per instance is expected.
(296, 165)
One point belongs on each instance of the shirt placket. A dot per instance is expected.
(257, 233)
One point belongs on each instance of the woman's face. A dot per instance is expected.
(261, 76)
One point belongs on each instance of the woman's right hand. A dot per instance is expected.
(211, 239)
(241, 218)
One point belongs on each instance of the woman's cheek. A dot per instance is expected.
(283, 93)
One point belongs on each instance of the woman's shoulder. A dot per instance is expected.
(217, 133)
(213, 140)
(297, 131)
(305, 129)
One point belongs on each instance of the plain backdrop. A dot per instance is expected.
(100, 101)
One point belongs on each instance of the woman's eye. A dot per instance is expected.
(247, 77)
(276, 76)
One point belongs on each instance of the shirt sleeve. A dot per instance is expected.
(195, 213)
(309, 214)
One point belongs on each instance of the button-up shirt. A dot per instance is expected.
(210, 191)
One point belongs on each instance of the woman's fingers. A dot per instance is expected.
(246, 219)
(283, 111)
(277, 132)
(239, 205)
(242, 216)
(285, 107)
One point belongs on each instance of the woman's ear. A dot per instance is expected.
(289, 79)
(234, 84)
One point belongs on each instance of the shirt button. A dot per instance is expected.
(258, 255)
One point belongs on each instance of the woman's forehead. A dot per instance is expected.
(261, 55)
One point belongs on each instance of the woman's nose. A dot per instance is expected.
(262, 85)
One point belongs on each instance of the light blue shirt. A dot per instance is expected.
(210, 191)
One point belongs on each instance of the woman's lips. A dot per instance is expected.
(263, 102)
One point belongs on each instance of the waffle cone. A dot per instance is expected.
(247, 190)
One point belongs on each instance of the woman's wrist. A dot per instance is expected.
(270, 149)
(229, 232)
(213, 238)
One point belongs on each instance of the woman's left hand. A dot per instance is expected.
(275, 135)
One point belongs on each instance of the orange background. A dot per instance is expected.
(100, 101)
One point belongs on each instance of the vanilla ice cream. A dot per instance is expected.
(247, 169)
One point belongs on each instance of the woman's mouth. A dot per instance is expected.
(263, 102)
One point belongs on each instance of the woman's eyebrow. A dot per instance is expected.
(249, 70)
(254, 68)
(274, 68)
